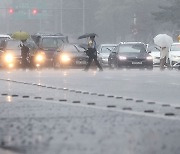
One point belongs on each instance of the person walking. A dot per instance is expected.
(164, 57)
(164, 42)
(92, 54)
(24, 54)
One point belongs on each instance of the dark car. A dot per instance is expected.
(11, 54)
(48, 44)
(70, 55)
(130, 55)
(3, 38)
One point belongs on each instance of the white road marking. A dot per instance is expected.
(151, 115)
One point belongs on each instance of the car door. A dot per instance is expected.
(113, 55)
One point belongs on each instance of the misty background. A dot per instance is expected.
(112, 20)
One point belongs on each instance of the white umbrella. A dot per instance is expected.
(163, 40)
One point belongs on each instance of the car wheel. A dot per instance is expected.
(55, 65)
(110, 65)
(61, 66)
(150, 68)
(116, 64)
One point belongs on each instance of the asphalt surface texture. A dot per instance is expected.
(70, 111)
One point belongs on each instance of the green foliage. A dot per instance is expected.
(116, 18)
(169, 13)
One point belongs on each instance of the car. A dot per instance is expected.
(70, 55)
(130, 55)
(36, 56)
(104, 51)
(48, 44)
(3, 38)
(155, 53)
(11, 54)
(174, 55)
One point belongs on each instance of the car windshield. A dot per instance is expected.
(132, 48)
(153, 49)
(13, 45)
(72, 48)
(3, 38)
(52, 42)
(107, 49)
(175, 47)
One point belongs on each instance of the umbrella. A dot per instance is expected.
(87, 35)
(20, 35)
(163, 40)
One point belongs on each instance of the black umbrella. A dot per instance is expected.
(87, 35)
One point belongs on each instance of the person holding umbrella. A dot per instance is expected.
(24, 53)
(163, 41)
(22, 36)
(164, 57)
(91, 51)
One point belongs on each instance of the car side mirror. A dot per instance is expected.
(109, 49)
(114, 52)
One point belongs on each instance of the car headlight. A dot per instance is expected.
(122, 58)
(155, 57)
(9, 58)
(103, 58)
(149, 58)
(65, 58)
(39, 58)
(175, 57)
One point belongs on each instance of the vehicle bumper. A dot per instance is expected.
(14, 64)
(135, 64)
(77, 62)
(175, 62)
(156, 61)
(104, 62)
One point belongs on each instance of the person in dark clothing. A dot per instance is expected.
(24, 54)
(92, 53)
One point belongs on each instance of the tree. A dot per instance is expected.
(115, 19)
(169, 13)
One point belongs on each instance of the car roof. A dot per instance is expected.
(5, 35)
(71, 44)
(12, 40)
(132, 43)
(176, 44)
(109, 44)
(48, 35)
(41, 34)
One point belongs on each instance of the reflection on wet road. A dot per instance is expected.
(73, 111)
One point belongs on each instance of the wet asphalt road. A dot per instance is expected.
(72, 111)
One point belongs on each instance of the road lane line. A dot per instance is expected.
(130, 112)
(90, 93)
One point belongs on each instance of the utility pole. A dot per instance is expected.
(61, 16)
(83, 16)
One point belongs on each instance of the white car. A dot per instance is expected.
(104, 51)
(155, 53)
(174, 55)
